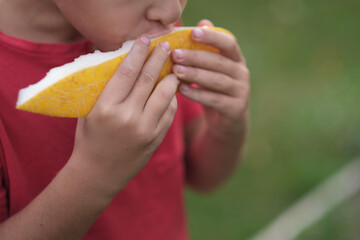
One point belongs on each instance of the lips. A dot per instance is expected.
(158, 33)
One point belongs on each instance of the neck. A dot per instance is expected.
(36, 21)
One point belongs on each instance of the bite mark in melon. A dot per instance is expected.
(71, 90)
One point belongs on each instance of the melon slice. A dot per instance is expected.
(71, 90)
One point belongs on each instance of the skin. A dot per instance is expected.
(129, 120)
(132, 18)
(216, 139)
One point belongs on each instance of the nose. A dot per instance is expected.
(166, 11)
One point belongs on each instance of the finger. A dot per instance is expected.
(123, 79)
(226, 43)
(160, 99)
(168, 117)
(217, 101)
(206, 79)
(206, 60)
(205, 23)
(149, 74)
(165, 122)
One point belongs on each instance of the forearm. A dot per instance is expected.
(211, 159)
(64, 210)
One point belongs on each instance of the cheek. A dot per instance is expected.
(183, 4)
(109, 34)
(105, 32)
(107, 26)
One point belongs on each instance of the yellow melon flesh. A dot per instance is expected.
(73, 95)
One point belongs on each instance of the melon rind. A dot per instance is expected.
(71, 90)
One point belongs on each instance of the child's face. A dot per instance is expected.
(109, 23)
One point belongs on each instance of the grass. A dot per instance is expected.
(344, 222)
(304, 62)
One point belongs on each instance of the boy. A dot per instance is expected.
(56, 188)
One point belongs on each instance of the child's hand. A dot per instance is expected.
(222, 80)
(128, 121)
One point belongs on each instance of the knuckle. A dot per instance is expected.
(146, 78)
(241, 72)
(164, 93)
(245, 71)
(234, 46)
(223, 83)
(145, 136)
(241, 107)
(194, 73)
(169, 84)
(127, 119)
(102, 113)
(220, 61)
(215, 101)
(244, 89)
(230, 87)
(126, 71)
(192, 56)
(159, 54)
(167, 88)
(218, 82)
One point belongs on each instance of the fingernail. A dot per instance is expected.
(197, 33)
(165, 45)
(179, 54)
(180, 70)
(145, 40)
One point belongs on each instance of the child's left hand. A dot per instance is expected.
(222, 80)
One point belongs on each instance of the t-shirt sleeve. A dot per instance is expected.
(4, 213)
(3, 198)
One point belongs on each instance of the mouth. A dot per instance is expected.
(158, 33)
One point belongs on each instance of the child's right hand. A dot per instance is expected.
(128, 122)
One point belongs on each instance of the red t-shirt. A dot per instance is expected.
(33, 148)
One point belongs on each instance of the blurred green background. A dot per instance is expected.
(304, 61)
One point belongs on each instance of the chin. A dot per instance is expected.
(107, 46)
